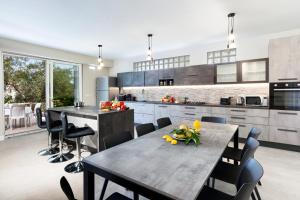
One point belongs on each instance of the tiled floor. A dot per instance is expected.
(25, 175)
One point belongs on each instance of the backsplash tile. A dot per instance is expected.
(207, 93)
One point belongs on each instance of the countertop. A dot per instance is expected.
(86, 110)
(206, 104)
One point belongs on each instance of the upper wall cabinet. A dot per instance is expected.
(254, 70)
(284, 55)
(166, 73)
(124, 79)
(194, 75)
(227, 73)
(138, 79)
(151, 78)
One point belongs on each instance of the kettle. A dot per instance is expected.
(240, 100)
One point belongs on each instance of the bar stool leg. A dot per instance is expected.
(76, 167)
(50, 150)
(60, 157)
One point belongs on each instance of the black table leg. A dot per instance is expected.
(89, 185)
(236, 142)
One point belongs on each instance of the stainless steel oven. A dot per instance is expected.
(285, 96)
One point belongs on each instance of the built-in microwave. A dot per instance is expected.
(285, 96)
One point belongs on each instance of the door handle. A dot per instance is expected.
(287, 130)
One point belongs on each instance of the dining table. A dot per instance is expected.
(156, 169)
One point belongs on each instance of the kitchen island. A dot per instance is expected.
(103, 123)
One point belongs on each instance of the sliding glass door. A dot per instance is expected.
(65, 83)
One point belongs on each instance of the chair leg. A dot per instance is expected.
(103, 189)
(257, 193)
(259, 183)
(253, 196)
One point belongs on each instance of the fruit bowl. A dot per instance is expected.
(186, 134)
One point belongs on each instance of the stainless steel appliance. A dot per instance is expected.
(106, 89)
(78, 104)
(285, 96)
(256, 100)
(240, 100)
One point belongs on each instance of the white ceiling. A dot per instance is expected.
(122, 25)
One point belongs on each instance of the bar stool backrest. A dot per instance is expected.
(251, 173)
(64, 122)
(38, 113)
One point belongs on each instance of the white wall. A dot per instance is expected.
(247, 48)
(89, 76)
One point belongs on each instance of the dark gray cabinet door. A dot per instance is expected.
(151, 78)
(166, 73)
(138, 78)
(125, 79)
(194, 75)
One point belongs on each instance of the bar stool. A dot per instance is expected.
(54, 126)
(50, 150)
(72, 133)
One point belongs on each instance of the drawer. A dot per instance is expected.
(198, 109)
(181, 120)
(144, 108)
(248, 120)
(285, 135)
(219, 110)
(249, 112)
(244, 130)
(285, 118)
(143, 118)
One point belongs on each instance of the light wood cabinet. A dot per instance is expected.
(284, 58)
(285, 135)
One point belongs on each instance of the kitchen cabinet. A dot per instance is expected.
(162, 111)
(151, 78)
(285, 118)
(138, 79)
(284, 56)
(194, 75)
(226, 73)
(166, 73)
(124, 79)
(254, 70)
(285, 135)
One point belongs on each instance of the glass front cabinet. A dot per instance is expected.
(248, 71)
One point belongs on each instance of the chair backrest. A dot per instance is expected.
(220, 120)
(251, 173)
(254, 133)
(249, 149)
(65, 186)
(38, 113)
(52, 119)
(163, 122)
(116, 139)
(37, 105)
(17, 111)
(144, 129)
(64, 123)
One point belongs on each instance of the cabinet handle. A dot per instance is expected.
(287, 130)
(191, 108)
(241, 125)
(238, 110)
(192, 75)
(287, 113)
(189, 114)
(287, 79)
(238, 118)
(163, 106)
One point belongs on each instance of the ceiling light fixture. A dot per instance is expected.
(231, 37)
(149, 51)
(100, 59)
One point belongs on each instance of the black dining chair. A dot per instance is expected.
(50, 150)
(74, 133)
(66, 188)
(54, 126)
(250, 174)
(144, 129)
(230, 173)
(220, 120)
(163, 122)
(236, 154)
(109, 142)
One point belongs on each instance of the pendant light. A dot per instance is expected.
(100, 59)
(149, 50)
(231, 37)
